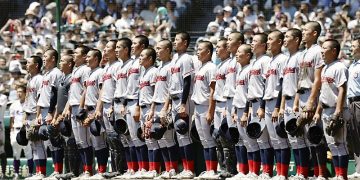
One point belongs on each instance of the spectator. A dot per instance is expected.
(172, 13)
(288, 8)
(228, 14)
(149, 14)
(240, 21)
(261, 25)
(249, 15)
(162, 22)
(99, 6)
(124, 22)
(113, 9)
(71, 13)
(353, 23)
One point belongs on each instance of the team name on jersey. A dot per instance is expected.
(240, 82)
(90, 83)
(306, 64)
(45, 83)
(106, 77)
(289, 70)
(271, 72)
(30, 90)
(255, 72)
(327, 79)
(121, 76)
(199, 78)
(160, 78)
(144, 83)
(231, 70)
(175, 70)
(134, 71)
(220, 77)
(75, 80)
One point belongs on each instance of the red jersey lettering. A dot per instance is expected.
(160, 78)
(134, 71)
(220, 76)
(90, 83)
(289, 70)
(106, 77)
(255, 72)
(175, 70)
(144, 83)
(121, 76)
(199, 77)
(306, 64)
(75, 80)
(327, 79)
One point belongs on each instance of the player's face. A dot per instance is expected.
(109, 49)
(47, 59)
(30, 65)
(327, 52)
(78, 57)
(202, 52)
(232, 43)
(221, 49)
(119, 49)
(64, 65)
(136, 47)
(256, 44)
(144, 58)
(91, 60)
(21, 94)
(355, 49)
(288, 40)
(179, 43)
(272, 42)
(241, 55)
(161, 51)
(307, 33)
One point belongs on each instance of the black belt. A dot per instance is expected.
(174, 97)
(254, 100)
(288, 97)
(354, 99)
(324, 106)
(302, 90)
(90, 108)
(144, 106)
(130, 100)
(196, 103)
(18, 128)
(220, 101)
(157, 104)
(229, 97)
(119, 100)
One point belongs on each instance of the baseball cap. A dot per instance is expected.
(89, 8)
(30, 12)
(33, 5)
(218, 9)
(240, 14)
(211, 24)
(228, 9)
(6, 50)
(50, 6)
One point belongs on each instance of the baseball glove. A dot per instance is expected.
(147, 128)
(32, 133)
(336, 122)
(88, 120)
(165, 121)
(302, 120)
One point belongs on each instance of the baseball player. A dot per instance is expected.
(33, 67)
(168, 148)
(256, 89)
(16, 122)
(179, 89)
(223, 147)
(309, 83)
(248, 154)
(353, 95)
(332, 98)
(272, 96)
(81, 133)
(71, 153)
(3, 103)
(104, 107)
(91, 93)
(46, 106)
(147, 82)
(202, 96)
(138, 148)
(290, 74)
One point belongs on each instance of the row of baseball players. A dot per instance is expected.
(129, 85)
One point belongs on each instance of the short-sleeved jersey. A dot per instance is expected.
(257, 77)
(202, 80)
(333, 76)
(63, 92)
(290, 75)
(181, 67)
(220, 77)
(273, 75)
(122, 79)
(310, 60)
(93, 86)
(50, 79)
(32, 93)
(132, 91)
(230, 77)
(17, 112)
(109, 80)
(162, 83)
(353, 85)
(242, 82)
(147, 83)
(78, 77)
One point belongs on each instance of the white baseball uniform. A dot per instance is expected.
(181, 67)
(256, 88)
(32, 93)
(239, 102)
(3, 103)
(17, 112)
(203, 78)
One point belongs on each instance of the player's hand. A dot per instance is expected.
(182, 110)
(234, 118)
(261, 113)
(295, 108)
(137, 114)
(89, 120)
(150, 115)
(98, 114)
(39, 119)
(49, 118)
(67, 114)
(309, 110)
(275, 115)
(123, 110)
(209, 118)
(281, 112)
(244, 120)
(316, 118)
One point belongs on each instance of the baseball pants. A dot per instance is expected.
(183, 139)
(38, 149)
(355, 130)
(132, 124)
(18, 148)
(168, 139)
(81, 133)
(125, 139)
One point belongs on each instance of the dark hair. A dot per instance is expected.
(334, 44)
(143, 40)
(152, 53)
(84, 49)
(71, 60)
(247, 49)
(184, 36)
(315, 26)
(97, 54)
(53, 53)
(239, 36)
(38, 61)
(279, 35)
(22, 87)
(168, 44)
(114, 42)
(296, 33)
(127, 44)
(208, 46)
